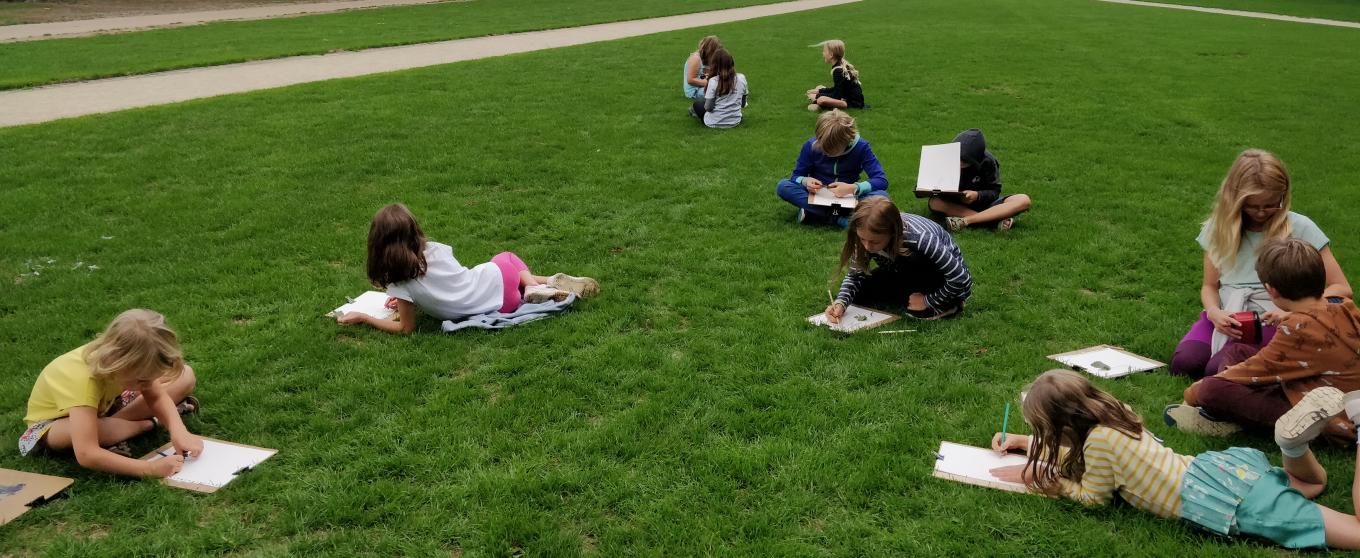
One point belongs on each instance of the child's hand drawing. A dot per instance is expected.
(834, 313)
(1014, 442)
(165, 466)
(812, 184)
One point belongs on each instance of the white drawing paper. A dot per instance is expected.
(854, 319)
(219, 463)
(1106, 362)
(973, 465)
(826, 198)
(373, 303)
(939, 168)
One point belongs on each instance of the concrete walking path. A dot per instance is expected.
(56, 29)
(1240, 13)
(43, 104)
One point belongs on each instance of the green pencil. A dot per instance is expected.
(1005, 419)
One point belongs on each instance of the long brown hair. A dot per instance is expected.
(724, 69)
(877, 215)
(396, 247)
(1062, 407)
(1254, 172)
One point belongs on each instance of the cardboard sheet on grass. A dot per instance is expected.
(21, 491)
(220, 464)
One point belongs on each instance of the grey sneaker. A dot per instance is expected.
(543, 293)
(1193, 420)
(1006, 224)
(1306, 420)
(584, 287)
(955, 223)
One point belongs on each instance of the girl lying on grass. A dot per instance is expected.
(917, 264)
(418, 273)
(1087, 446)
(125, 382)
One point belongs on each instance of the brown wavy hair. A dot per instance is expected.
(724, 69)
(396, 247)
(877, 215)
(707, 46)
(1062, 407)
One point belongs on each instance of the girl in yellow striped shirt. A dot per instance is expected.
(1232, 492)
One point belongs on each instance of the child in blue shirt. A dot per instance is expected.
(834, 158)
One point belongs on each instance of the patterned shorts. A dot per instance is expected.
(32, 438)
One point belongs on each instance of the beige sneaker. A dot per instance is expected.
(543, 293)
(584, 287)
(1194, 421)
(814, 107)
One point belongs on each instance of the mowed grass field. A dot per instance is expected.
(689, 410)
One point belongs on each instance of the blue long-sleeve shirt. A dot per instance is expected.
(848, 167)
(923, 236)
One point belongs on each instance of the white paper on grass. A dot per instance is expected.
(1117, 363)
(219, 463)
(373, 303)
(939, 168)
(976, 464)
(854, 319)
(825, 197)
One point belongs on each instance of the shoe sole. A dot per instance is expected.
(1309, 416)
(584, 287)
(1188, 419)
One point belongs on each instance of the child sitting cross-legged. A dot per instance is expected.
(1089, 446)
(129, 380)
(833, 159)
(1317, 343)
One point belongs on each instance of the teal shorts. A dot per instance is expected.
(1238, 492)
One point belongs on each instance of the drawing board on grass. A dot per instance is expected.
(220, 464)
(373, 303)
(21, 491)
(855, 318)
(1104, 361)
(939, 171)
(973, 465)
(825, 198)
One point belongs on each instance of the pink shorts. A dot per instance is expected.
(510, 266)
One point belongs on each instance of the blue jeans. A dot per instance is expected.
(797, 195)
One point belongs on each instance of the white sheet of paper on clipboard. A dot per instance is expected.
(1105, 361)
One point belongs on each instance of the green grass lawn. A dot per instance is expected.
(1344, 10)
(57, 60)
(688, 410)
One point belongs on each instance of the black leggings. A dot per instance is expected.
(890, 286)
(697, 109)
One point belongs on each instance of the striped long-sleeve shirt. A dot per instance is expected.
(921, 235)
(1144, 472)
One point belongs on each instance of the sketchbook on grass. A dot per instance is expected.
(1104, 361)
(373, 303)
(21, 491)
(220, 464)
(939, 171)
(825, 198)
(973, 465)
(854, 319)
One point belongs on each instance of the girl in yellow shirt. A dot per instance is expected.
(1232, 492)
(124, 383)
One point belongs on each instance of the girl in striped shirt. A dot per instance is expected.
(916, 264)
(1231, 492)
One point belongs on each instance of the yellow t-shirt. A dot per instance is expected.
(66, 382)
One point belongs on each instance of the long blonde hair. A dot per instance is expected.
(1254, 172)
(138, 345)
(1063, 407)
(836, 48)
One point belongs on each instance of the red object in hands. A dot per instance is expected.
(1250, 328)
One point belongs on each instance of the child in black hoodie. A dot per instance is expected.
(980, 184)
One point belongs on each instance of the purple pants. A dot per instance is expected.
(1255, 408)
(1192, 357)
